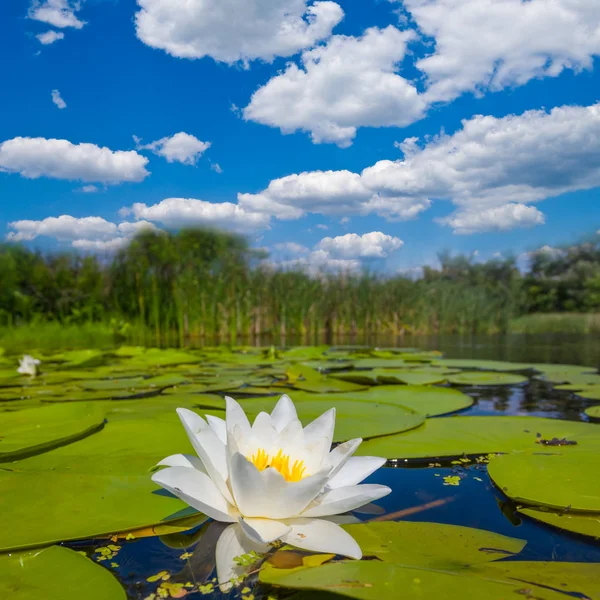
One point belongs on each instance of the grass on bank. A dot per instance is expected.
(576, 323)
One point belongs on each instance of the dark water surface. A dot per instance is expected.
(419, 493)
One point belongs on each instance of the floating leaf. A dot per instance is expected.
(34, 430)
(55, 573)
(593, 411)
(581, 523)
(554, 479)
(474, 436)
(486, 378)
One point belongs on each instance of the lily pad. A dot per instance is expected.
(583, 524)
(34, 430)
(486, 378)
(427, 400)
(554, 480)
(352, 420)
(476, 436)
(327, 385)
(56, 573)
(483, 365)
(593, 411)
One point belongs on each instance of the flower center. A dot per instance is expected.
(280, 462)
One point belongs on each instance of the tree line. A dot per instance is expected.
(208, 283)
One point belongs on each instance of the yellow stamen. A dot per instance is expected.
(280, 462)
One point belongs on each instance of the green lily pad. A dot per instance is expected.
(373, 580)
(379, 363)
(432, 545)
(593, 411)
(483, 365)
(327, 385)
(56, 573)
(352, 420)
(583, 524)
(427, 400)
(551, 579)
(486, 378)
(412, 377)
(476, 436)
(128, 383)
(554, 480)
(34, 430)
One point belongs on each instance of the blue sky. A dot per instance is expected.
(283, 120)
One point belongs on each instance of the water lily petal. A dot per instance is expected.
(263, 531)
(231, 544)
(219, 426)
(343, 499)
(321, 535)
(198, 490)
(182, 460)
(267, 494)
(340, 454)
(235, 415)
(264, 434)
(283, 413)
(355, 470)
(317, 439)
(210, 448)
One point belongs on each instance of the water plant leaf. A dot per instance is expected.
(373, 580)
(593, 411)
(352, 418)
(486, 378)
(483, 365)
(556, 480)
(56, 573)
(432, 545)
(475, 436)
(34, 430)
(582, 523)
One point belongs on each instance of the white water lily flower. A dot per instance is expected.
(28, 365)
(274, 480)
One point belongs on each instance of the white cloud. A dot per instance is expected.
(181, 147)
(60, 159)
(322, 226)
(88, 189)
(49, 37)
(86, 233)
(497, 218)
(369, 245)
(348, 83)
(57, 99)
(216, 167)
(188, 212)
(63, 228)
(493, 44)
(234, 30)
(489, 163)
(58, 13)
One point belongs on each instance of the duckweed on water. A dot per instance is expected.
(79, 441)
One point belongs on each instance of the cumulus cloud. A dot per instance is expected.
(348, 83)
(60, 159)
(234, 30)
(327, 193)
(498, 218)
(86, 233)
(58, 13)
(57, 99)
(88, 189)
(492, 44)
(63, 228)
(49, 37)
(489, 163)
(181, 147)
(369, 245)
(292, 248)
(187, 212)
(318, 261)
(216, 167)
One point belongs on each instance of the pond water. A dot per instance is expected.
(430, 486)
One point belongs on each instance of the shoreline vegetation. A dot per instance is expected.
(209, 285)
